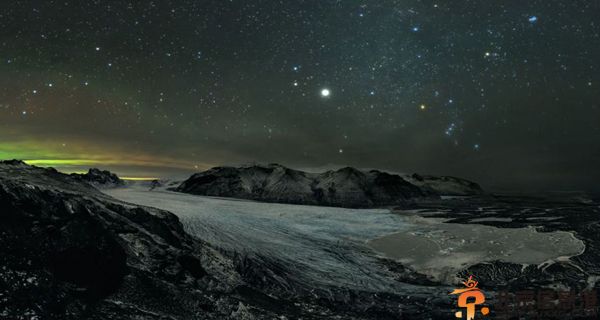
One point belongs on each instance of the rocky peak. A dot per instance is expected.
(101, 178)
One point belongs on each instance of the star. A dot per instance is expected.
(423, 107)
(532, 19)
(325, 92)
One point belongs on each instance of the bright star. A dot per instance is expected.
(325, 92)
(533, 19)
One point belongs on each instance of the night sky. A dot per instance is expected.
(506, 93)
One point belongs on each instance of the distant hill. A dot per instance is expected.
(346, 187)
(445, 185)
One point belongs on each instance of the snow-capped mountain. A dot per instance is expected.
(346, 187)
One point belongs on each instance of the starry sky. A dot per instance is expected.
(506, 93)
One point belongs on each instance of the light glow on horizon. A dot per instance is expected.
(139, 178)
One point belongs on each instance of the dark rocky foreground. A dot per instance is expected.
(69, 252)
(346, 187)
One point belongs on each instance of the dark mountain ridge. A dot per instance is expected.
(346, 187)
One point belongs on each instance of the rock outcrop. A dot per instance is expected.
(346, 187)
